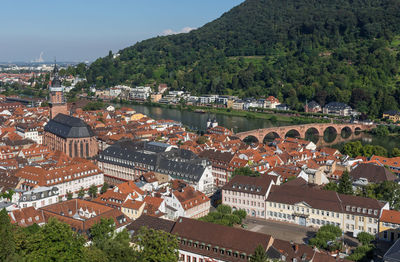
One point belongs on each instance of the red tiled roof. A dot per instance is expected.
(390, 216)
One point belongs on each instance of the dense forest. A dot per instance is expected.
(296, 50)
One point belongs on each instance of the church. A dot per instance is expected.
(64, 132)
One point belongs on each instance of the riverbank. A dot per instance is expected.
(273, 117)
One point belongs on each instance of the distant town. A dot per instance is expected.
(80, 166)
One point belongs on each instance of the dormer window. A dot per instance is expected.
(375, 212)
(353, 209)
(347, 208)
(358, 209)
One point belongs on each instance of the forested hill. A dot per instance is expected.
(297, 50)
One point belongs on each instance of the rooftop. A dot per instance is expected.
(68, 127)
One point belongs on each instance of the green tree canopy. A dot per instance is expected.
(55, 241)
(225, 216)
(365, 238)
(7, 247)
(345, 184)
(156, 245)
(93, 191)
(81, 193)
(245, 171)
(104, 188)
(326, 235)
(259, 255)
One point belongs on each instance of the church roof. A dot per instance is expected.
(68, 127)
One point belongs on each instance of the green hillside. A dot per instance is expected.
(297, 50)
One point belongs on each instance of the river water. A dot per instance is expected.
(198, 121)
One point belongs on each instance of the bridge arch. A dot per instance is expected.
(330, 134)
(270, 136)
(346, 132)
(250, 139)
(331, 129)
(313, 131)
(293, 133)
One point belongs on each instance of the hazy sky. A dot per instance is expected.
(79, 30)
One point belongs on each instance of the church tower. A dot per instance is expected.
(57, 100)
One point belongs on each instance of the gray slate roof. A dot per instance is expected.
(177, 163)
(393, 254)
(68, 127)
(336, 106)
(374, 173)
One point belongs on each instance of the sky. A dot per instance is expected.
(83, 30)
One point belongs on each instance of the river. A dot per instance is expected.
(198, 121)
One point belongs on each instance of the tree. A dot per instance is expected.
(245, 171)
(224, 209)
(240, 213)
(102, 231)
(8, 195)
(92, 191)
(69, 195)
(104, 188)
(365, 238)
(55, 241)
(345, 184)
(7, 247)
(327, 236)
(259, 255)
(94, 106)
(119, 249)
(381, 130)
(331, 186)
(362, 253)
(395, 152)
(81, 193)
(107, 243)
(225, 216)
(156, 245)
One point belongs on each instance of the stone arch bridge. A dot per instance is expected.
(301, 130)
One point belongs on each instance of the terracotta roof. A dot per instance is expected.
(189, 197)
(390, 216)
(129, 187)
(26, 217)
(392, 162)
(81, 215)
(77, 169)
(133, 204)
(111, 198)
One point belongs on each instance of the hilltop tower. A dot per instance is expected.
(57, 100)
